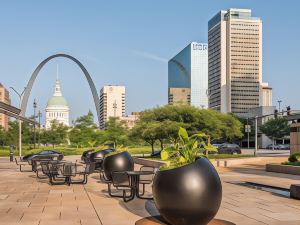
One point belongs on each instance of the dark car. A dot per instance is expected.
(44, 153)
(156, 153)
(229, 149)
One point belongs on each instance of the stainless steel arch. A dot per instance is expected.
(40, 66)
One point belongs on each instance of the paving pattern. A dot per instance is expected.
(24, 199)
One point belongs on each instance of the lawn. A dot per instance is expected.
(4, 151)
(213, 156)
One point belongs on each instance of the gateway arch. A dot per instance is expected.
(38, 69)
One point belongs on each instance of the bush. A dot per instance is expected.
(295, 157)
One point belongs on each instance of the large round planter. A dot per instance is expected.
(188, 195)
(118, 162)
(98, 157)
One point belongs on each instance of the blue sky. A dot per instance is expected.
(128, 43)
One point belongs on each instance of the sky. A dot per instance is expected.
(129, 43)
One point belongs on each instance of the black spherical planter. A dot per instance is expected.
(188, 195)
(98, 156)
(118, 162)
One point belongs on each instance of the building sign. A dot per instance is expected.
(199, 46)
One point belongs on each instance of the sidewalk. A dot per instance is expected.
(27, 200)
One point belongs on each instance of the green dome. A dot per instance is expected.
(57, 101)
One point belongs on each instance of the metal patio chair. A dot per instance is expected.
(121, 181)
(21, 164)
(146, 179)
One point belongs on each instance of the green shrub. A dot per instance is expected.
(294, 157)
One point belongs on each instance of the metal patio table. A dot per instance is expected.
(135, 180)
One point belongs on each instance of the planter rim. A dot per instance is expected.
(115, 153)
(186, 165)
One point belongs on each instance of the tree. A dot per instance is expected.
(85, 131)
(57, 134)
(115, 132)
(3, 136)
(13, 133)
(215, 124)
(275, 128)
(146, 131)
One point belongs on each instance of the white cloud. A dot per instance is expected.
(149, 56)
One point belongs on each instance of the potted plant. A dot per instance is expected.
(118, 160)
(187, 190)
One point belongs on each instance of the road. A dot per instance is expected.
(266, 152)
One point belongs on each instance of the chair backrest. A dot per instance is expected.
(90, 167)
(45, 168)
(69, 169)
(120, 179)
(147, 177)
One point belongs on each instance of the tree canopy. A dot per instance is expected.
(162, 123)
(276, 128)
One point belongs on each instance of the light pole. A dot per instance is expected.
(256, 131)
(248, 133)
(34, 115)
(279, 103)
(20, 122)
(39, 115)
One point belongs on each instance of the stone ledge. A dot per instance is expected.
(238, 161)
(295, 191)
(148, 162)
(279, 168)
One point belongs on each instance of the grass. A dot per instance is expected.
(4, 151)
(291, 163)
(213, 156)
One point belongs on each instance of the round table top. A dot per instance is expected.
(138, 173)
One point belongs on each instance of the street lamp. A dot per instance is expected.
(34, 133)
(20, 122)
(39, 115)
(279, 103)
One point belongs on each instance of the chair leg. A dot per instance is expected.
(113, 195)
(130, 197)
(143, 189)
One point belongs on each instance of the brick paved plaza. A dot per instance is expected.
(24, 199)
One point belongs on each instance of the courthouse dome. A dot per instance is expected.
(57, 99)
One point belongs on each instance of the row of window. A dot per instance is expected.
(240, 33)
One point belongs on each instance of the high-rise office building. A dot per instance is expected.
(266, 95)
(187, 76)
(112, 103)
(4, 97)
(234, 61)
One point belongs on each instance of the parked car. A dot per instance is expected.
(284, 147)
(217, 145)
(270, 146)
(42, 153)
(229, 149)
(156, 153)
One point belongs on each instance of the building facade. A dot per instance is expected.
(112, 103)
(4, 97)
(57, 108)
(267, 99)
(131, 119)
(235, 61)
(188, 77)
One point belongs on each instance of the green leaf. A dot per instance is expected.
(164, 155)
(183, 135)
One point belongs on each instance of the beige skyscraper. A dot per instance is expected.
(266, 95)
(235, 61)
(4, 97)
(112, 103)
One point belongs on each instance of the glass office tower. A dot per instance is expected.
(188, 76)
